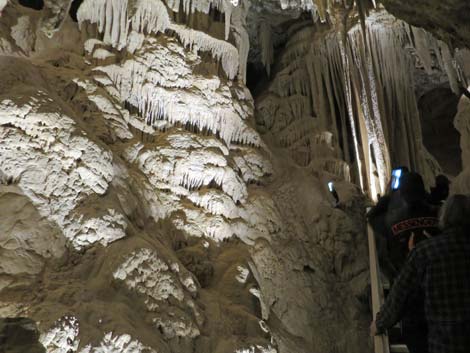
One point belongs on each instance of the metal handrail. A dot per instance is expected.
(381, 343)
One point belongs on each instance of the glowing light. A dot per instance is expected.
(396, 178)
(331, 186)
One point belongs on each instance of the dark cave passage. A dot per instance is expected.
(74, 8)
(438, 108)
(33, 4)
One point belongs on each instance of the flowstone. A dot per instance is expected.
(152, 206)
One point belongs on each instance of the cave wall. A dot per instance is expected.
(438, 108)
(447, 19)
(461, 184)
(145, 212)
(362, 88)
(152, 205)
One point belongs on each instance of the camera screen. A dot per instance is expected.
(330, 186)
(396, 175)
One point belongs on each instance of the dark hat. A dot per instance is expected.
(412, 187)
(442, 180)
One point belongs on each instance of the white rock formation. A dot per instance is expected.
(57, 166)
(150, 206)
(123, 343)
(104, 158)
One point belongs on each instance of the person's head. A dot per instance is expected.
(455, 213)
(442, 181)
(412, 188)
(405, 169)
(441, 189)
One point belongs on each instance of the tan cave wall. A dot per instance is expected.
(143, 209)
(461, 184)
(150, 204)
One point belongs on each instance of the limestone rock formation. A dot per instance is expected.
(150, 204)
(447, 19)
(125, 179)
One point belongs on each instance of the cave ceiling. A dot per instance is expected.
(447, 19)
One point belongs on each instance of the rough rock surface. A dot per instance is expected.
(438, 108)
(447, 19)
(145, 213)
(461, 184)
(151, 205)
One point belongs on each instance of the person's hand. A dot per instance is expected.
(373, 329)
(411, 242)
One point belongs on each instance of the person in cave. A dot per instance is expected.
(408, 222)
(401, 219)
(440, 267)
(377, 212)
(376, 218)
(405, 220)
(440, 191)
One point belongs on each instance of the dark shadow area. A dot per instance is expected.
(19, 335)
(256, 78)
(74, 8)
(438, 108)
(32, 4)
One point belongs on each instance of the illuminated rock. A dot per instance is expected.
(151, 204)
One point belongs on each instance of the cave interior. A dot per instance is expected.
(193, 176)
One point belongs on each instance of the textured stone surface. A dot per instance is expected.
(447, 19)
(461, 184)
(152, 206)
(438, 108)
(105, 213)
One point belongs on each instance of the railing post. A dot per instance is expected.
(381, 344)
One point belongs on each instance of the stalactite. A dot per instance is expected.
(157, 97)
(221, 50)
(113, 21)
(422, 45)
(350, 112)
(362, 85)
(242, 38)
(362, 81)
(267, 51)
(150, 17)
(321, 9)
(228, 7)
